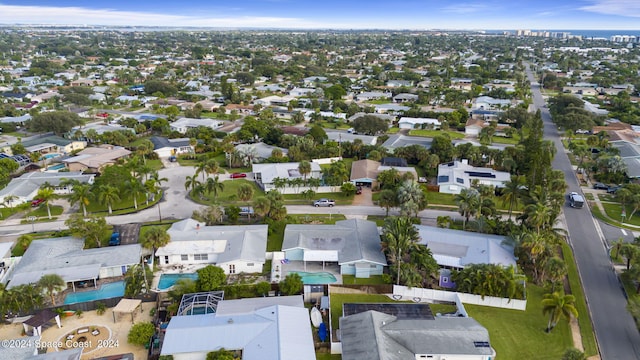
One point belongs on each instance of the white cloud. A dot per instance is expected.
(466, 8)
(630, 8)
(11, 14)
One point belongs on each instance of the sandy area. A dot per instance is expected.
(115, 343)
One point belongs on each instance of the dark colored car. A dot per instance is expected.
(238, 175)
(613, 188)
(358, 190)
(600, 186)
(37, 202)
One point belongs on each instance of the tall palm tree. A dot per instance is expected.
(261, 206)
(200, 169)
(191, 182)
(630, 252)
(9, 200)
(555, 269)
(156, 183)
(211, 167)
(387, 200)
(52, 283)
(399, 238)
(411, 199)
(155, 237)
(134, 187)
(108, 194)
(304, 167)
(81, 194)
(538, 215)
(512, 192)
(558, 305)
(467, 201)
(214, 186)
(46, 194)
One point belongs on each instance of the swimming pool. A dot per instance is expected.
(316, 278)
(56, 167)
(168, 280)
(105, 291)
(50, 156)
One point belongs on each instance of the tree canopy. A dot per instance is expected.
(59, 122)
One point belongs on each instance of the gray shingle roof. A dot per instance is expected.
(65, 256)
(373, 335)
(354, 240)
(30, 182)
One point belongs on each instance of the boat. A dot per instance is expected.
(316, 317)
(322, 332)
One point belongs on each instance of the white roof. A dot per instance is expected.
(67, 257)
(278, 332)
(281, 170)
(414, 121)
(458, 249)
(190, 123)
(460, 173)
(245, 242)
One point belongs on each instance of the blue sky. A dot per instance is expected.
(338, 14)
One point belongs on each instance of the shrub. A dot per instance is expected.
(100, 308)
(141, 333)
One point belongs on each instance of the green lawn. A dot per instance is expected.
(41, 211)
(521, 334)
(327, 356)
(373, 280)
(276, 236)
(229, 195)
(297, 199)
(505, 140)
(586, 329)
(5, 212)
(379, 219)
(317, 218)
(614, 211)
(124, 206)
(393, 130)
(432, 133)
(187, 162)
(438, 198)
(155, 164)
(338, 299)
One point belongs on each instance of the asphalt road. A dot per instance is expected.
(616, 332)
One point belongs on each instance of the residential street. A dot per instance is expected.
(616, 332)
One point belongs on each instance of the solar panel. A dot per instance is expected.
(401, 311)
(481, 174)
(481, 344)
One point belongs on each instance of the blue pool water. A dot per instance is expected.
(50, 156)
(105, 291)
(168, 280)
(316, 278)
(56, 167)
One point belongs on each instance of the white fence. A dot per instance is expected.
(418, 294)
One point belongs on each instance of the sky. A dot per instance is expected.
(332, 14)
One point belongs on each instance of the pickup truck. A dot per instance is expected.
(324, 202)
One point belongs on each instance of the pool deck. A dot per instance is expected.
(173, 269)
(312, 267)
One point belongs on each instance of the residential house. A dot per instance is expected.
(399, 83)
(67, 258)
(457, 175)
(629, 151)
(404, 97)
(313, 80)
(53, 145)
(171, 147)
(372, 95)
(390, 108)
(25, 188)
(418, 123)
(95, 159)
(398, 140)
(274, 100)
(18, 120)
(183, 124)
(235, 249)
(299, 92)
(100, 128)
(374, 335)
(489, 103)
(341, 137)
(265, 174)
(260, 150)
(274, 328)
(353, 244)
(385, 117)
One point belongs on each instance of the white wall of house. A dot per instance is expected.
(168, 151)
(361, 269)
(237, 267)
(113, 271)
(187, 259)
(299, 190)
(190, 356)
(472, 130)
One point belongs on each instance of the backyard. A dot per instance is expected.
(454, 135)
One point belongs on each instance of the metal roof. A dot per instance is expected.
(353, 240)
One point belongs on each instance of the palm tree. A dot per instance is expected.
(81, 194)
(200, 169)
(617, 245)
(134, 188)
(108, 194)
(24, 241)
(211, 167)
(558, 305)
(261, 206)
(512, 192)
(555, 269)
(399, 238)
(411, 199)
(304, 167)
(538, 215)
(630, 252)
(156, 182)
(46, 194)
(245, 192)
(387, 200)
(9, 199)
(155, 237)
(214, 186)
(52, 283)
(191, 182)
(467, 201)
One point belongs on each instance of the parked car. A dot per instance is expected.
(36, 202)
(600, 186)
(115, 239)
(173, 158)
(324, 202)
(576, 200)
(238, 175)
(613, 188)
(358, 190)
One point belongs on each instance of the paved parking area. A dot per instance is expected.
(129, 233)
